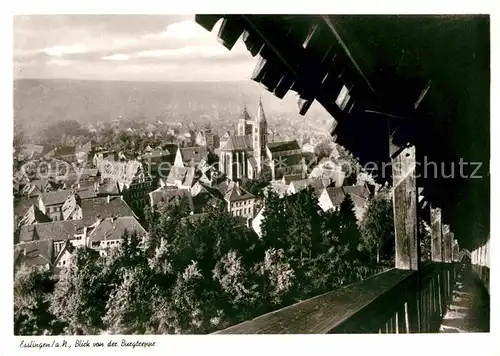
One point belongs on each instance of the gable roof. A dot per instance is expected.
(99, 208)
(22, 205)
(358, 194)
(38, 186)
(85, 148)
(238, 143)
(360, 191)
(65, 150)
(336, 195)
(56, 230)
(86, 192)
(123, 172)
(207, 196)
(109, 188)
(68, 247)
(34, 253)
(70, 205)
(195, 154)
(114, 228)
(168, 196)
(236, 193)
(34, 215)
(31, 149)
(244, 114)
(317, 184)
(186, 175)
(276, 147)
(289, 160)
(277, 187)
(288, 178)
(55, 197)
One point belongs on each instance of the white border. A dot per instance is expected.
(446, 344)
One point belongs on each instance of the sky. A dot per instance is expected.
(125, 47)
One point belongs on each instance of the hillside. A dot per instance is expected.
(38, 102)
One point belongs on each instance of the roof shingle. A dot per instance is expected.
(238, 143)
(99, 208)
(113, 229)
(56, 230)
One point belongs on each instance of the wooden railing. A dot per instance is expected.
(480, 260)
(483, 273)
(395, 301)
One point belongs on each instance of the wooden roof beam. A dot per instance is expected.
(347, 50)
(293, 63)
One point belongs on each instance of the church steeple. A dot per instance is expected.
(244, 127)
(260, 137)
(244, 114)
(261, 117)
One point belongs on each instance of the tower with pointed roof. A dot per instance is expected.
(244, 123)
(259, 137)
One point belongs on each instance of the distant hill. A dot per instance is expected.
(38, 102)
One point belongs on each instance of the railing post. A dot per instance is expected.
(436, 235)
(447, 254)
(405, 208)
(456, 251)
(437, 256)
(447, 246)
(405, 202)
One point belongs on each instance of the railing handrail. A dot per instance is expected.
(341, 309)
(303, 317)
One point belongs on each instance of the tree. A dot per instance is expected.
(256, 186)
(349, 235)
(189, 310)
(274, 225)
(377, 229)
(79, 297)
(32, 289)
(238, 284)
(304, 225)
(129, 307)
(277, 277)
(323, 149)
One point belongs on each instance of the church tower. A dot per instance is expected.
(244, 124)
(259, 137)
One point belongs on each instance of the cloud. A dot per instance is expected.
(125, 48)
(188, 51)
(60, 62)
(59, 51)
(183, 30)
(117, 57)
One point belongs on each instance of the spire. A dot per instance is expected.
(244, 114)
(261, 117)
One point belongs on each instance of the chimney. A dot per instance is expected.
(107, 198)
(24, 252)
(121, 197)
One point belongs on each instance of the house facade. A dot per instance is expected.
(51, 203)
(240, 203)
